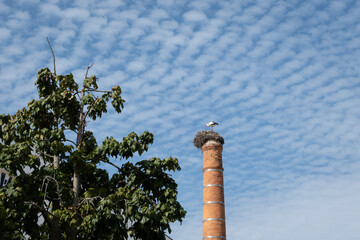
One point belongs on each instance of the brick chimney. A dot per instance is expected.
(211, 144)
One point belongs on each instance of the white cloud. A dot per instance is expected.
(4, 8)
(337, 7)
(129, 14)
(5, 34)
(158, 13)
(318, 208)
(49, 9)
(136, 66)
(165, 3)
(194, 16)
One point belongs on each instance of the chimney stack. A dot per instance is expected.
(211, 144)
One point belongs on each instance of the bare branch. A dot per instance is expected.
(94, 90)
(87, 201)
(55, 159)
(70, 141)
(52, 54)
(87, 69)
(77, 94)
(112, 164)
(69, 129)
(85, 116)
(46, 182)
(48, 155)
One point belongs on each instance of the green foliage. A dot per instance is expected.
(140, 200)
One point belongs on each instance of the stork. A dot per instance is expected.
(211, 124)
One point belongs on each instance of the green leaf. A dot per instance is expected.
(144, 220)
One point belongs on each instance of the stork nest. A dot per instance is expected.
(203, 136)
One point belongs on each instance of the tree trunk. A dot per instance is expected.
(76, 186)
(76, 180)
(55, 231)
(56, 162)
(53, 223)
(79, 139)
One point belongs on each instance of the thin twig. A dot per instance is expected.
(87, 69)
(85, 116)
(93, 90)
(87, 200)
(112, 164)
(52, 54)
(48, 155)
(69, 129)
(70, 141)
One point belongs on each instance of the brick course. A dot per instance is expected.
(213, 177)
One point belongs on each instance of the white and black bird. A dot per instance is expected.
(212, 124)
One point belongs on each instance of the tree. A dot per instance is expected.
(59, 192)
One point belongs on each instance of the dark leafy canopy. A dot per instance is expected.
(59, 192)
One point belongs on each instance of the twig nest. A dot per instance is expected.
(203, 136)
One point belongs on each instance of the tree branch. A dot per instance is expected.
(94, 90)
(70, 141)
(43, 211)
(87, 201)
(65, 129)
(48, 155)
(55, 158)
(79, 139)
(112, 164)
(85, 116)
(52, 54)
(48, 179)
(56, 161)
(87, 69)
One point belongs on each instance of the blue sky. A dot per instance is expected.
(281, 78)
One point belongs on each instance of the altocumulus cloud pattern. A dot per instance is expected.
(281, 78)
